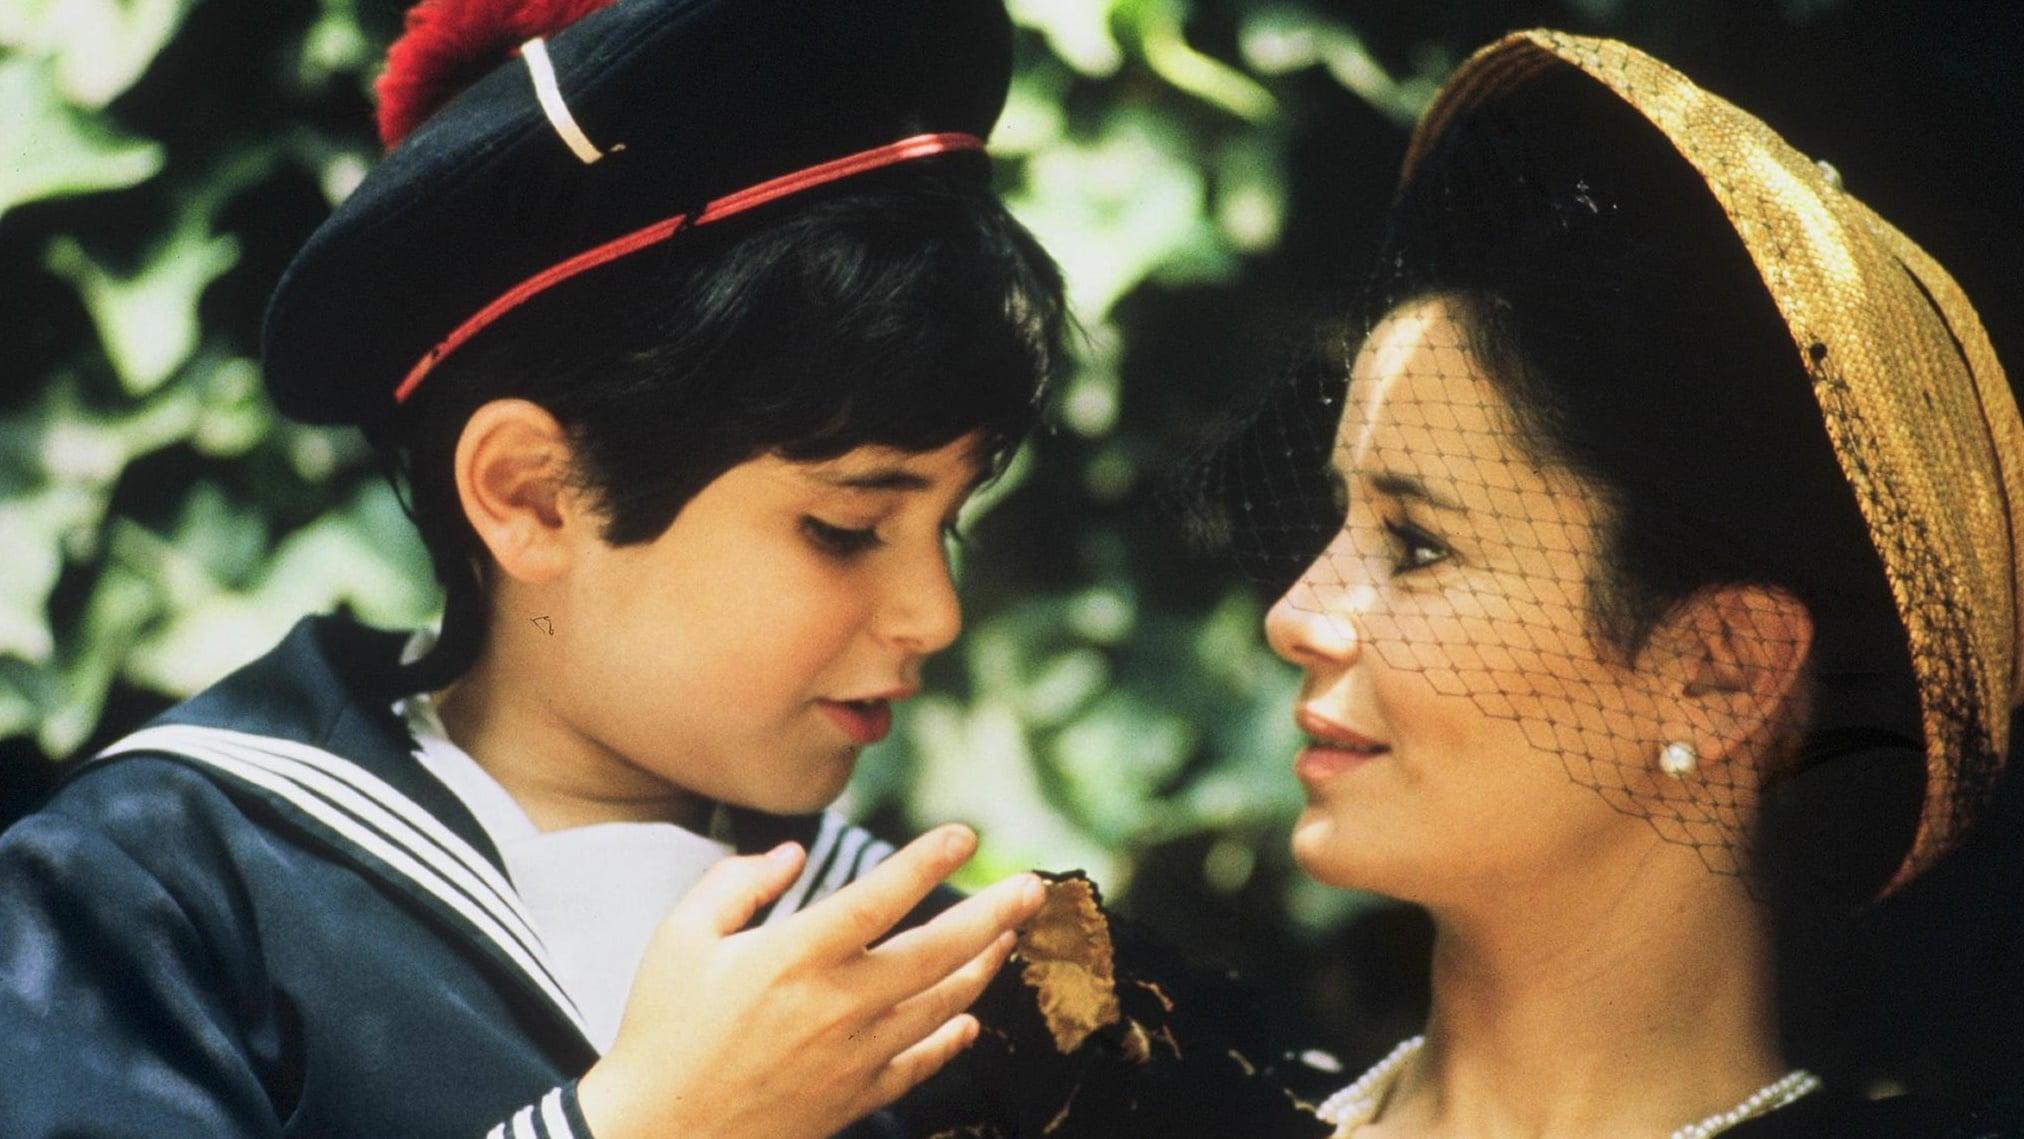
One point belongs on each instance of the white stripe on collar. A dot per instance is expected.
(811, 869)
(840, 855)
(552, 1122)
(370, 815)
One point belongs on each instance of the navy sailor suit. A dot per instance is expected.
(259, 915)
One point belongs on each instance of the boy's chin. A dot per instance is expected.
(820, 787)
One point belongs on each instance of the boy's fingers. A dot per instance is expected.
(919, 1014)
(917, 958)
(724, 899)
(922, 1060)
(855, 916)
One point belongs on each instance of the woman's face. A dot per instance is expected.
(748, 653)
(1461, 715)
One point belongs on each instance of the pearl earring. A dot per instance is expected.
(1678, 759)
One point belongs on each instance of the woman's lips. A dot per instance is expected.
(1318, 764)
(864, 722)
(1332, 748)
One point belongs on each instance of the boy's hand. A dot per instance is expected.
(799, 1029)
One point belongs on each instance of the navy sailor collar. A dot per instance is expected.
(310, 731)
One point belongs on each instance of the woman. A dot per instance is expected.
(689, 326)
(1673, 572)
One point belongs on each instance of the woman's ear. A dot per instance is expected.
(1736, 654)
(512, 466)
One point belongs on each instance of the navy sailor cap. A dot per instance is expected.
(608, 136)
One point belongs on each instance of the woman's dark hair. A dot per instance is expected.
(904, 307)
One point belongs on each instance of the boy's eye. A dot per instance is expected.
(1417, 549)
(842, 541)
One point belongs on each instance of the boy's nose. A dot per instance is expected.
(921, 613)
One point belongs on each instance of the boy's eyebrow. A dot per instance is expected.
(1398, 484)
(878, 478)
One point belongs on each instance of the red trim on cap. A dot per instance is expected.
(918, 146)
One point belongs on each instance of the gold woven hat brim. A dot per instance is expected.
(1918, 410)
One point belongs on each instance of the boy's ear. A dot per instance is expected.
(1737, 653)
(512, 467)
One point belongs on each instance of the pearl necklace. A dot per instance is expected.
(1357, 1104)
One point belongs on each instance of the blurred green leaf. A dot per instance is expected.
(147, 321)
(53, 150)
(1275, 41)
(1090, 403)
(1078, 31)
(1251, 193)
(1103, 615)
(1115, 760)
(363, 555)
(18, 713)
(1034, 118)
(34, 530)
(100, 47)
(1063, 685)
(122, 603)
(1168, 53)
(63, 441)
(1114, 209)
(233, 414)
(973, 765)
(335, 44)
(226, 543)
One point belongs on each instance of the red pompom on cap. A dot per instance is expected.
(450, 44)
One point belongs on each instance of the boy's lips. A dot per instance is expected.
(864, 722)
(1332, 748)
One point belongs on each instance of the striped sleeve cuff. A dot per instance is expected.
(555, 1116)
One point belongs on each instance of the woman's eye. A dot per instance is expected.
(842, 541)
(1417, 549)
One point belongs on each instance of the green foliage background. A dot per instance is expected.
(1208, 172)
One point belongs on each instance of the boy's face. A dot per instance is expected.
(749, 653)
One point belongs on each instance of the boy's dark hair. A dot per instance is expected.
(904, 307)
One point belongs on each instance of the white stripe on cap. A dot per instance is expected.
(548, 92)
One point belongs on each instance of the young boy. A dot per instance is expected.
(688, 325)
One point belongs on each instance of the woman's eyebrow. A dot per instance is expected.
(1398, 484)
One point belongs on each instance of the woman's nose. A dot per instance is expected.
(1315, 628)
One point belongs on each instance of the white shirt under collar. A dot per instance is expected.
(595, 893)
